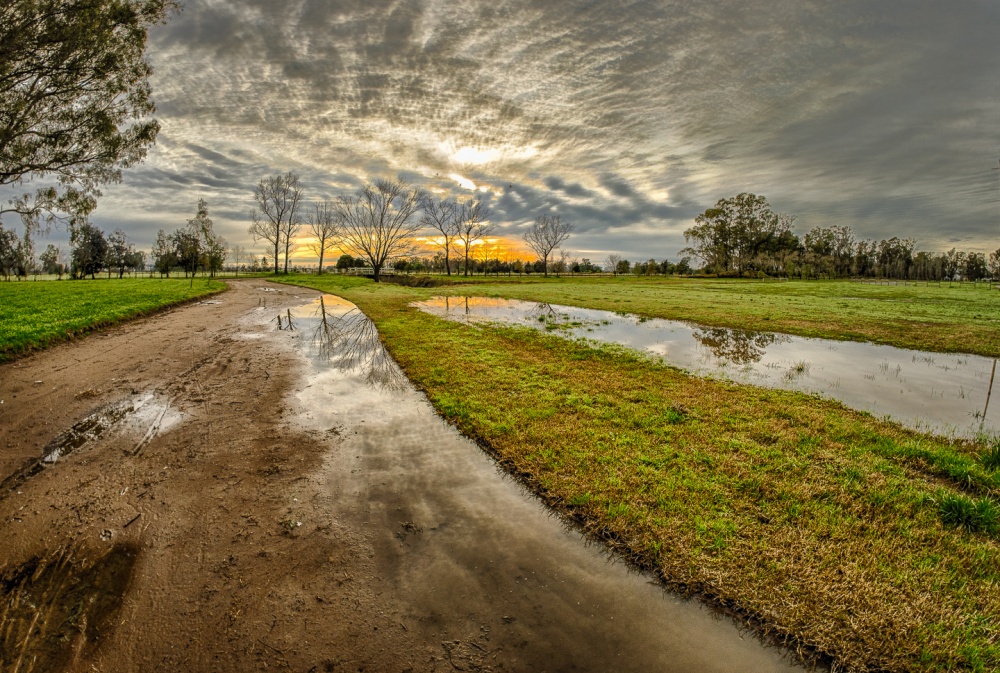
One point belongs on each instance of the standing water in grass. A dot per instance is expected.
(937, 392)
(469, 559)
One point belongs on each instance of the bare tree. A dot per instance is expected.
(378, 223)
(611, 263)
(442, 215)
(275, 217)
(323, 227)
(546, 234)
(238, 252)
(473, 225)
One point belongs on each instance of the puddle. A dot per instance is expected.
(937, 392)
(57, 606)
(144, 415)
(470, 559)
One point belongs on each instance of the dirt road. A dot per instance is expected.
(215, 498)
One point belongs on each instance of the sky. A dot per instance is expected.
(625, 118)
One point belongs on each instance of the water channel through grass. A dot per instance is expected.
(940, 392)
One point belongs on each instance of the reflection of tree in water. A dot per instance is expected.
(350, 342)
(543, 312)
(737, 346)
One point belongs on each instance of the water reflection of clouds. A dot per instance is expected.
(929, 391)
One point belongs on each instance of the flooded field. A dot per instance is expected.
(937, 392)
(472, 559)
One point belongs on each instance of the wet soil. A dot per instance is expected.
(203, 491)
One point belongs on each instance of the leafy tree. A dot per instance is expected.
(212, 248)
(50, 261)
(164, 254)
(8, 252)
(345, 262)
(378, 222)
(546, 234)
(623, 267)
(74, 100)
(187, 250)
(995, 264)
(119, 253)
(731, 235)
(90, 249)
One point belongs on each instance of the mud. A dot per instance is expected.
(283, 499)
(944, 393)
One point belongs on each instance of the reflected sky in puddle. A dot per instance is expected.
(944, 393)
(463, 549)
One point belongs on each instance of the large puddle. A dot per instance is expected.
(473, 561)
(936, 392)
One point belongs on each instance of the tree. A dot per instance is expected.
(473, 225)
(239, 252)
(8, 252)
(345, 262)
(74, 99)
(995, 264)
(442, 215)
(212, 248)
(323, 227)
(545, 235)
(611, 263)
(187, 250)
(50, 261)
(275, 217)
(378, 223)
(90, 249)
(119, 253)
(164, 254)
(731, 235)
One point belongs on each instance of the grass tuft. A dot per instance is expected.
(976, 516)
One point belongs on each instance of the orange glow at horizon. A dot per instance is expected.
(498, 247)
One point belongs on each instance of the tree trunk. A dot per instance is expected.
(277, 243)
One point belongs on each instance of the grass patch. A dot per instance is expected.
(37, 314)
(822, 524)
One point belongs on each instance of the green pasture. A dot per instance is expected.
(850, 536)
(37, 314)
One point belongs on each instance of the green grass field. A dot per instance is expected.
(38, 314)
(866, 541)
(958, 318)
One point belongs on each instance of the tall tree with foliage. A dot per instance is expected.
(212, 248)
(732, 235)
(90, 250)
(74, 100)
(379, 222)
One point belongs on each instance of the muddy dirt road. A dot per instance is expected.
(202, 491)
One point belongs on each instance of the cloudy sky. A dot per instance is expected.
(627, 118)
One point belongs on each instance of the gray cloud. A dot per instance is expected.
(626, 117)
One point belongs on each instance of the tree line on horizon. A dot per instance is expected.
(742, 236)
